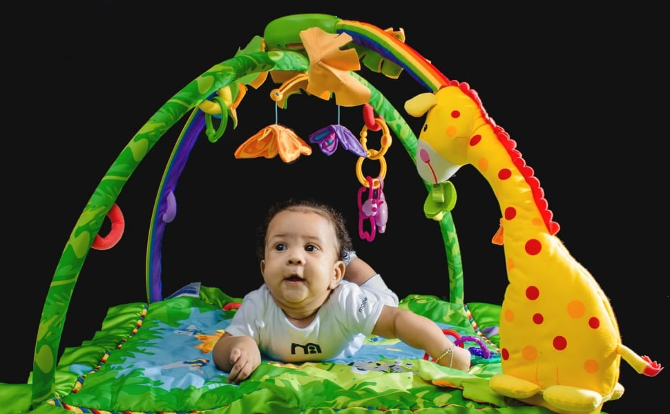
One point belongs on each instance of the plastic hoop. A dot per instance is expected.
(376, 183)
(118, 225)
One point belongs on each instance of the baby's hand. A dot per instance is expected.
(244, 360)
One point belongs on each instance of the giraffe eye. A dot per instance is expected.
(425, 127)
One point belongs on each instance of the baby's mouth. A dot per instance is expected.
(293, 278)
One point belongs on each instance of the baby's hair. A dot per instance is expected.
(336, 219)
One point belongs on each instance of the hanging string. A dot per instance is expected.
(338, 114)
(276, 114)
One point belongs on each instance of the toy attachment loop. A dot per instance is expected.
(214, 134)
(118, 225)
(215, 108)
(385, 139)
(375, 183)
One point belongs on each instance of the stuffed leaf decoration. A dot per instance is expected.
(272, 140)
(329, 68)
(376, 62)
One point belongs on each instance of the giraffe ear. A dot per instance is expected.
(420, 104)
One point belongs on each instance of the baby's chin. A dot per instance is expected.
(291, 293)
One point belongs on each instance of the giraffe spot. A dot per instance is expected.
(510, 213)
(532, 292)
(538, 318)
(510, 263)
(594, 322)
(509, 315)
(483, 164)
(476, 139)
(504, 174)
(576, 309)
(533, 247)
(451, 131)
(591, 366)
(560, 343)
(529, 353)
(504, 353)
(455, 113)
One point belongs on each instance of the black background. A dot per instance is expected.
(581, 92)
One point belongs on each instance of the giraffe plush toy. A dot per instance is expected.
(559, 338)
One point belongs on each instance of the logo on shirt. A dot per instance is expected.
(307, 349)
(365, 302)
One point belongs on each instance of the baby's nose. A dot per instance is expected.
(295, 258)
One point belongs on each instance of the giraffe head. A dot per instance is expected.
(443, 141)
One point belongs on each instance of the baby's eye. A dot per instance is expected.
(311, 248)
(280, 247)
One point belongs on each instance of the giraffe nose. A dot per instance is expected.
(423, 154)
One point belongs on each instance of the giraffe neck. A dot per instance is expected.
(518, 191)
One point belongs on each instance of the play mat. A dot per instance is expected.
(529, 354)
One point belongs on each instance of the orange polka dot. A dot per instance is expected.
(483, 164)
(451, 131)
(510, 263)
(532, 292)
(504, 174)
(533, 247)
(529, 353)
(591, 366)
(576, 309)
(509, 315)
(537, 222)
(510, 213)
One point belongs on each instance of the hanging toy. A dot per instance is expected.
(374, 209)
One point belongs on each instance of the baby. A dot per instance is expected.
(307, 311)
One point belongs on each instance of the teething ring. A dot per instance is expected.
(115, 233)
(375, 182)
(482, 350)
(385, 140)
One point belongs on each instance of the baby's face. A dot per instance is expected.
(301, 264)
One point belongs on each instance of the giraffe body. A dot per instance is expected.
(560, 342)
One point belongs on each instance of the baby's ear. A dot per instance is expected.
(338, 274)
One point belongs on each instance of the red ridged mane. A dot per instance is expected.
(515, 157)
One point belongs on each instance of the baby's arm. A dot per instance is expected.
(420, 332)
(358, 271)
(238, 355)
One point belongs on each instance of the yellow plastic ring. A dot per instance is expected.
(375, 182)
(385, 140)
